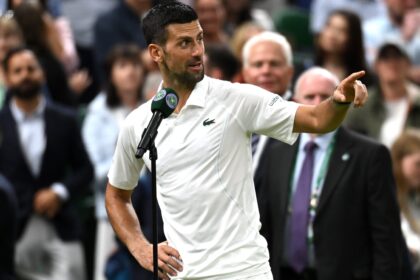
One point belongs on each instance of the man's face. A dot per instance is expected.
(313, 90)
(211, 14)
(183, 53)
(24, 76)
(392, 69)
(267, 68)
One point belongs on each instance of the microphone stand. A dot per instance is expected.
(153, 157)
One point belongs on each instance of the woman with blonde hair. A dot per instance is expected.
(406, 164)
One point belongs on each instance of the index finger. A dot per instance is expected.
(353, 77)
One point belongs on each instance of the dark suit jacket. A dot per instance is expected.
(8, 225)
(65, 160)
(357, 231)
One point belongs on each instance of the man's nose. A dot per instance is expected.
(198, 49)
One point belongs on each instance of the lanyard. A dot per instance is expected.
(313, 204)
(321, 174)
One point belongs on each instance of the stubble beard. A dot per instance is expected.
(184, 79)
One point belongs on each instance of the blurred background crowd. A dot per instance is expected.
(96, 69)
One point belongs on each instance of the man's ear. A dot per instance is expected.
(156, 53)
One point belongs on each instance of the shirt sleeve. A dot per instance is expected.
(262, 112)
(125, 168)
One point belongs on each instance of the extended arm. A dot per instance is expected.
(126, 224)
(329, 114)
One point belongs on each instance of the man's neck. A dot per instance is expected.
(393, 91)
(28, 106)
(182, 92)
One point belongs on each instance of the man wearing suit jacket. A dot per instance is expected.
(42, 155)
(8, 225)
(348, 212)
(267, 63)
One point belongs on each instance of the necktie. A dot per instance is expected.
(298, 247)
(254, 143)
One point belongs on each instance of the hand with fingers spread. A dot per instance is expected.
(351, 90)
(169, 259)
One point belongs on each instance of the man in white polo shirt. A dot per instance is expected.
(204, 169)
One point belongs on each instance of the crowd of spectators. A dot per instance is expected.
(94, 69)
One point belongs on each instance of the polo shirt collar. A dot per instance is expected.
(198, 95)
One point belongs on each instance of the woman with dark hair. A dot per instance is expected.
(122, 93)
(339, 45)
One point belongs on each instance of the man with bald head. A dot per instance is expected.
(327, 203)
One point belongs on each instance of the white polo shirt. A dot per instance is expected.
(204, 174)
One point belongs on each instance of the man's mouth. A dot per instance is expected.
(196, 66)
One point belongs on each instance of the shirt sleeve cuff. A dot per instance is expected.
(61, 191)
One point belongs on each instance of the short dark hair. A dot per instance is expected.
(11, 53)
(393, 50)
(165, 13)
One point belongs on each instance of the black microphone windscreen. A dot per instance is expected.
(165, 101)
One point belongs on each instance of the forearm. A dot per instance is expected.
(124, 219)
(323, 118)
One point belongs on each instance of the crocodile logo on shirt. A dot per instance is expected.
(207, 122)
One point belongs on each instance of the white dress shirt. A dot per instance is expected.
(33, 141)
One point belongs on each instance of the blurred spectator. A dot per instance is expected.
(393, 104)
(60, 36)
(124, 76)
(241, 11)
(43, 156)
(267, 63)
(220, 63)
(10, 37)
(212, 15)
(8, 224)
(241, 35)
(82, 15)
(339, 46)
(365, 9)
(327, 203)
(119, 25)
(269, 5)
(400, 25)
(35, 32)
(406, 159)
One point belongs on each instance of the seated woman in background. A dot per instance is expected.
(406, 160)
(339, 45)
(105, 114)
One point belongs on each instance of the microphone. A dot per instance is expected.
(163, 105)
